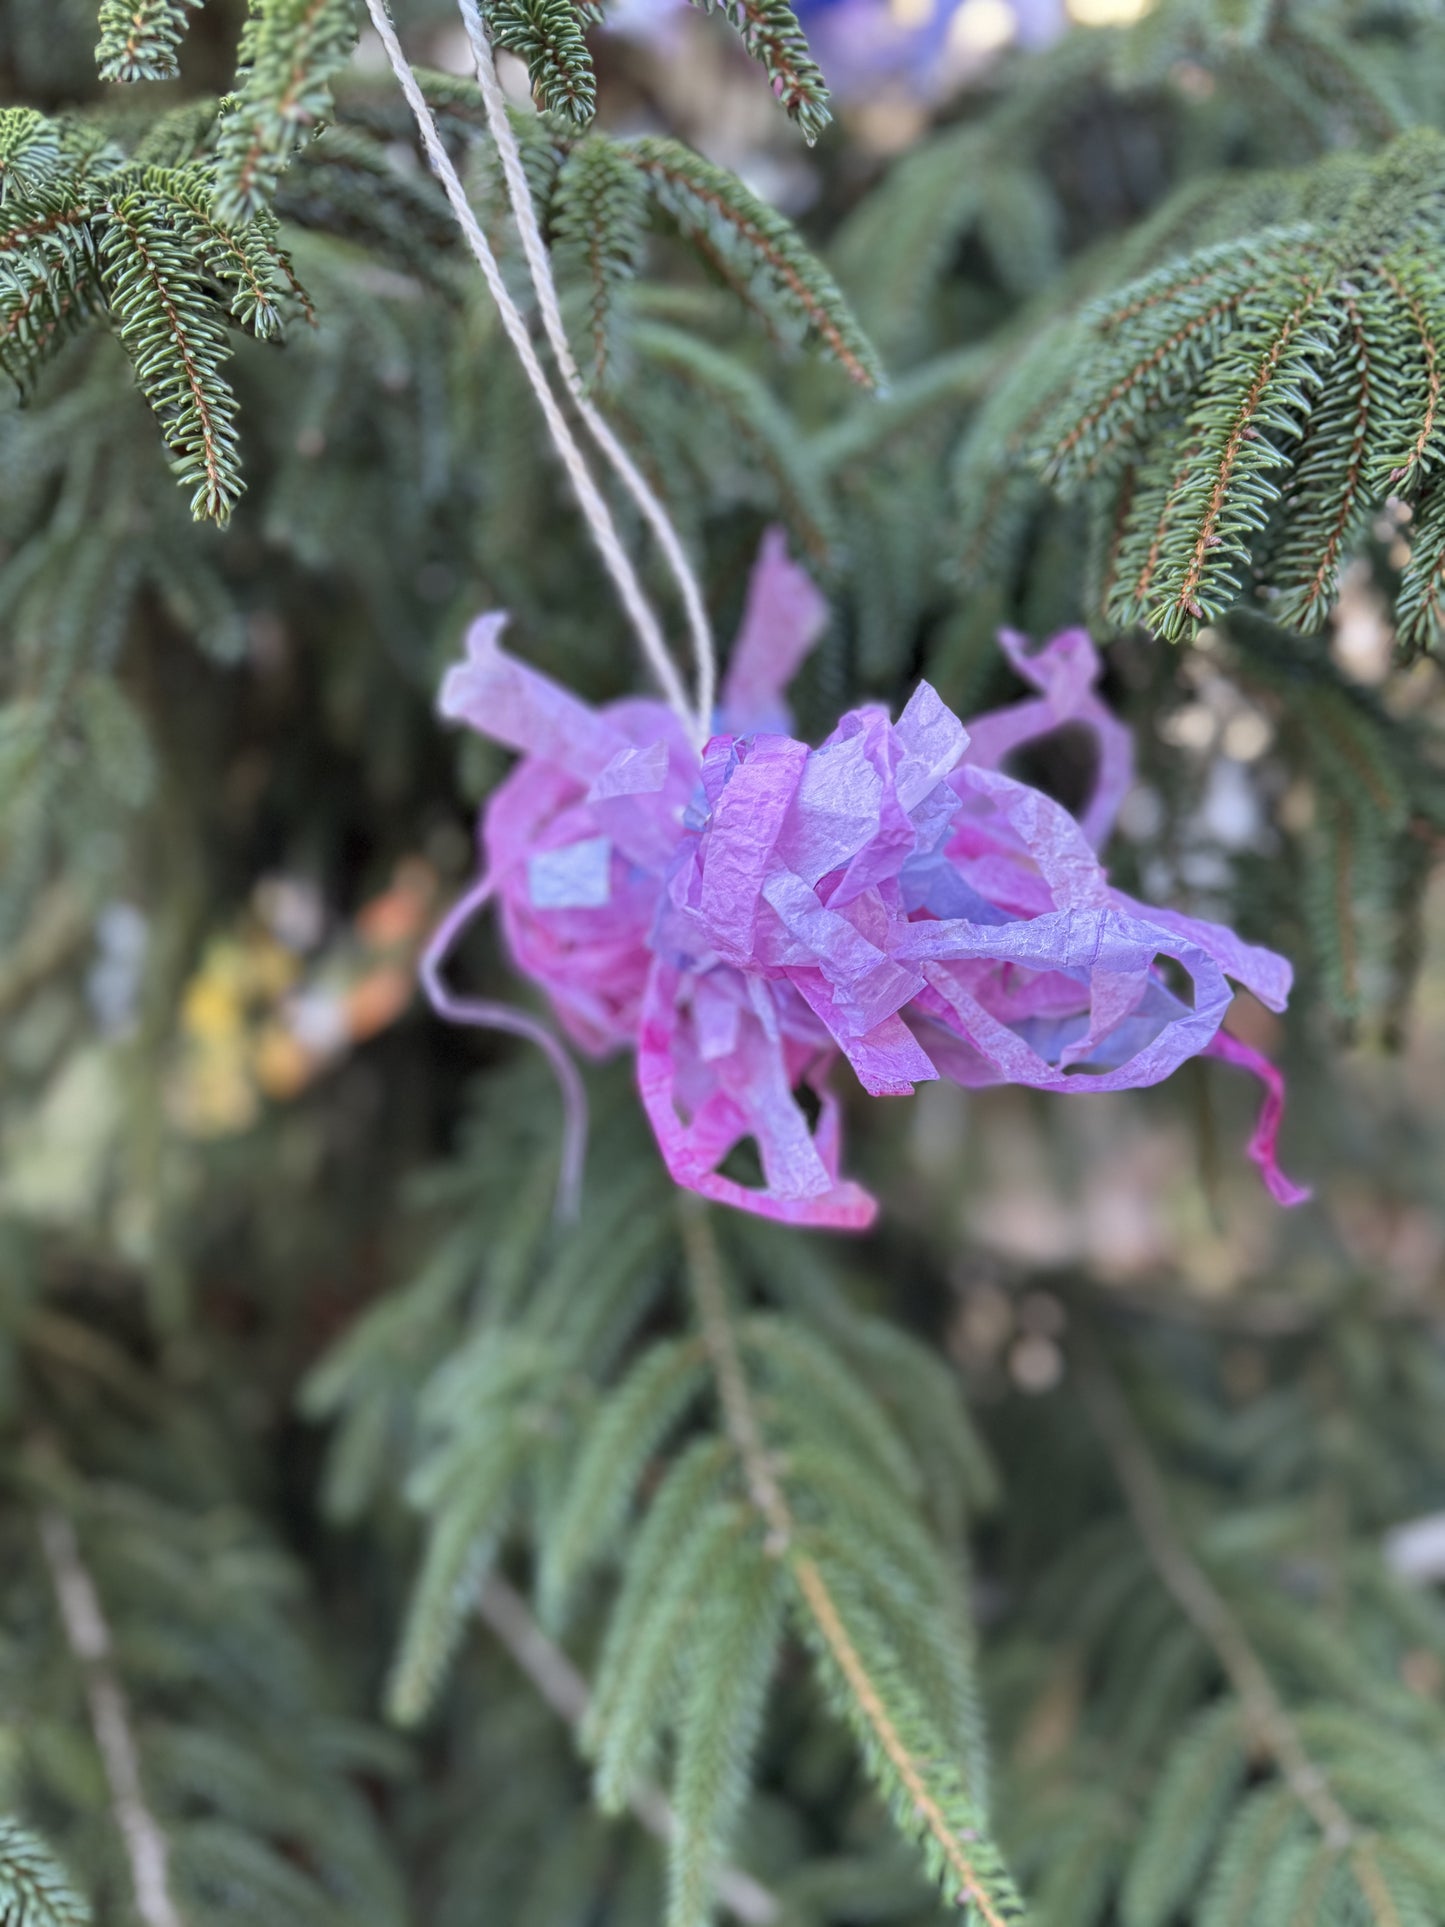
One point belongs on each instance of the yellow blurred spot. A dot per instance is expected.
(981, 27)
(1108, 13)
(212, 1008)
(912, 13)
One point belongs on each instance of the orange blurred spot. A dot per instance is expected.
(399, 915)
(377, 1000)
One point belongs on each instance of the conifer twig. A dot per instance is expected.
(767, 1494)
(88, 1637)
(1210, 1614)
(539, 267)
(594, 508)
(568, 1694)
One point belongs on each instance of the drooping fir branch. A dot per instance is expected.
(144, 247)
(139, 38)
(1374, 801)
(1248, 409)
(29, 150)
(750, 247)
(1316, 68)
(906, 1752)
(554, 1418)
(746, 242)
(1349, 1860)
(290, 51)
(599, 213)
(35, 1891)
(248, 259)
(48, 282)
(548, 36)
(568, 1694)
(698, 386)
(770, 31)
(177, 346)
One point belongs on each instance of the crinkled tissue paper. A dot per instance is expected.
(891, 897)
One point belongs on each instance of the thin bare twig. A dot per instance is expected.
(567, 1693)
(88, 1637)
(60, 927)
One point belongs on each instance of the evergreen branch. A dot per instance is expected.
(459, 1551)
(177, 345)
(51, 214)
(348, 186)
(1300, 366)
(630, 1424)
(717, 1728)
(993, 479)
(35, 1891)
(1270, 1721)
(29, 151)
(285, 267)
(970, 1866)
(290, 49)
(1420, 606)
(1235, 461)
(88, 1635)
(1331, 482)
(1131, 606)
(1427, 335)
(745, 239)
(1333, 72)
(1119, 512)
(952, 381)
(180, 137)
(599, 206)
(567, 1693)
(770, 32)
(1241, 429)
(739, 1416)
(1345, 738)
(36, 314)
(894, 245)
(249, 259)
(1133, 391)
(47, 277)
(1170, 285)
(1199, 1785)
(1318, 594)
(757, 421)
(931, 1797)
(139, 38)
(548, 36)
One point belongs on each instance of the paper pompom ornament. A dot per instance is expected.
(744, 918)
